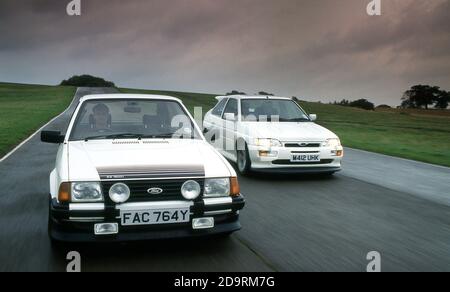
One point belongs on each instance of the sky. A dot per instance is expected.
(314, 49)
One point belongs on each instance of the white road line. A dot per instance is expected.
(38, 131)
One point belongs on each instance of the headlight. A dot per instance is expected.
(191, 190)
(267, 142)
(86, 192)
(217, 187)
(332, 143)
(119, 193)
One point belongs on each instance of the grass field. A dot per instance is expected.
(413, 134)
(25, 108)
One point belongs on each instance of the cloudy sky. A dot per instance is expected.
(315, 49)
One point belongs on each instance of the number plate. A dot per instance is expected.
(305, 158)
(150, 217)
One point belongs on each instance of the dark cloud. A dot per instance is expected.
(312, 48)
(414, 27)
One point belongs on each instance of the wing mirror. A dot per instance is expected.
(313, 117)
(230, 117)
(53, 137)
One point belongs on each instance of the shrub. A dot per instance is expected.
(87, 81)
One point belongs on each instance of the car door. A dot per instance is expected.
(229, 125)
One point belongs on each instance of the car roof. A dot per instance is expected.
(252, 97)
(128, 96)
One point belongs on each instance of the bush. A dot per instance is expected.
(87, 81)
(265, 93)
(363, 103)
(384, 106)
(360, 103)
(236, 92)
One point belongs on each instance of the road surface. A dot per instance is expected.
(396, 207)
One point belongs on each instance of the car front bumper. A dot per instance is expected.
(279, 160)
(75, 222)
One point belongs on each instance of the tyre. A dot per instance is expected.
(244, 163)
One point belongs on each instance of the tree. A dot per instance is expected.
(443, 99)
(87, 81)
(421, 96)
(406, 103)
(363, 103)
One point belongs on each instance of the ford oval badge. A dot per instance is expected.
(155, 191)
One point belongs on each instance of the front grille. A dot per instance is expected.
(171, 189)
(288, 162)
(302, 145)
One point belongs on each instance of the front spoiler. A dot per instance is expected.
(83, 232)
(298, 170)
(63, 226)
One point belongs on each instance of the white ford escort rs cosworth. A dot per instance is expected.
(271, 134)
(136, 167)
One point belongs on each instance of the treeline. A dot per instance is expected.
(419, 96)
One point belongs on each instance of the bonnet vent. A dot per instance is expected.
(125, 142)
(155, 142)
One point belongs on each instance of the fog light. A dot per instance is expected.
(203, 223)
(106, 228)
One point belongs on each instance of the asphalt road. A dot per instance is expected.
(378, 203)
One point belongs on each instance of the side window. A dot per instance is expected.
(217, 111)
(232, 107)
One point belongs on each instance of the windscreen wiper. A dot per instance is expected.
(156, 136)
(295, 120)
(115, 136)
(165, 136)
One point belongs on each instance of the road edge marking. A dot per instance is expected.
(39, 130)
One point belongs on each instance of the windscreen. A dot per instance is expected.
(115, 119)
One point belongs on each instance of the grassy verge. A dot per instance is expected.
(25, 108)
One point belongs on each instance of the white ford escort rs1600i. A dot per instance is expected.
(136, 167)
(271, 134)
